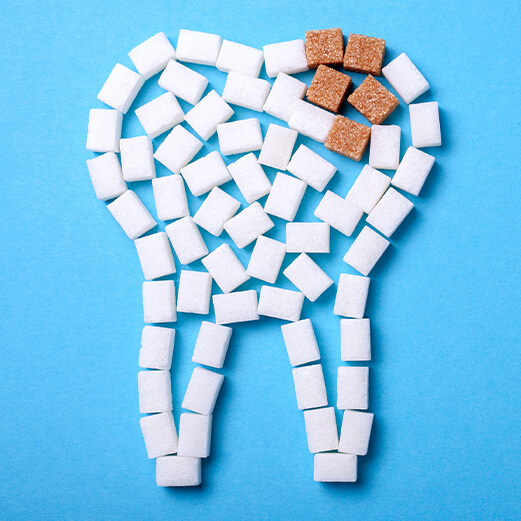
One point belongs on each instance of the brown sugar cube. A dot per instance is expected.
(348, 138)
(324, 47)
(373, 100)
(329, 88)
(364, 54)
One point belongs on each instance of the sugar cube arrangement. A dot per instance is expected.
(313, 111)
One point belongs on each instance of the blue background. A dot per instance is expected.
(444, 300)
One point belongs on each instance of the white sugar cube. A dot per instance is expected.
(212, 344)
(159, 433)
(216, 209)
(207, 114)
(205, 173)
(250, 178)
(152, 55)
(170, 197)
(366, 250)
(280, 303)
(425, 124)
(356, 431)
(106, 176)
(137, 159)
(183, 82)
(266, 259)
(186, 240)
(202, 391)
(368, 188)
(247, 225)
(307, 238)
(300, 341)
(413, 171)
(405, 78)
(160, 114)
(333, 467)
(390, 212)
(311, 168)
(311, 121)
(155, 391)
(284, 94)
(338, 213)
(308, 277)
(240, 306)
(285, 196)
(240, 58)
(131, 214)
(195, 435)
(198, 47)
(310, 386)
(321, 429)
(177, 149)
(176, 471)
(278, 147)
(353, 387)
(351, 296)
(159, 301)
(155, 255)
(104, 130)
(225, 268)
(246, 91)
(239, 137)
(384, 149)
(288, 57)
(195, 290)
(355, 339)
(157, 347)
(121, 88)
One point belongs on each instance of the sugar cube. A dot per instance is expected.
(390, 212)
(364, 54)
(155, 255)
(311, 121)
(321, 429)
(266, 259)
(356, 431)
(284, 94)
(310, 386)
(195, 435)
(183, 82)
(195, 290)
(240, 306)
(285, 196)
(288, 57)
(366, 250)
(278, 146)
(121, 88)
(250, 178)
(170, 197)
(373, 100)
(300, 341)
(425, 124)
(329, 88)
(176, 471)
(348, 138)
(280, 303)
(239, 137)
(155, 391)
(333, 467)
(207, 114)
(384, 151)
(202, 391)
(137, 160)
(368, 189)
(157, 347)
(246, 91)
(247, 225)
(159, 433)
(413, 171)
(225, 268)
(338, 213)
(405, 78)
(205, 173)
(160, 114)
(159, 301)
(353, 387)
(355, 339)
(240, 58)
(177, 149)
(131, 214)
(307, 238)
(106, 176)
(324, 46)
(308, 277)
(216, 209)
(212, 344)
(152, 55)
(351, 296)
(104, 130)
(311, 168)
(186, 240)
(198, 47)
